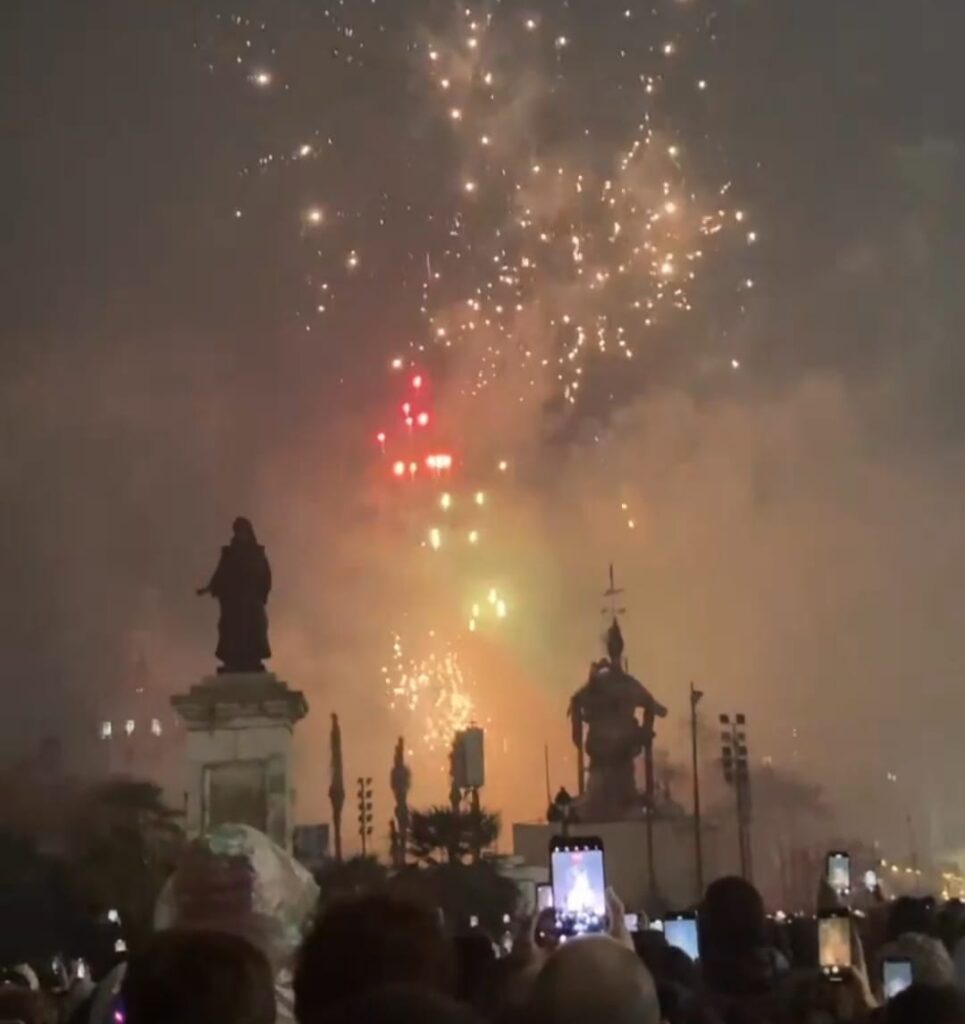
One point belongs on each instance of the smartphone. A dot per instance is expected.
(895, 976)
(680, 930)
(526, 903)
(632, 922)
(834, 943)
(544, 896)
(838, 871)
(579, 884)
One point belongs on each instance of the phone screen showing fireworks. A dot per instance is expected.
(579, 885)
(839, 872)
(895, 976)
(834, 942)
(681, 931)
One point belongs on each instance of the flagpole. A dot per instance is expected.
(695, 696)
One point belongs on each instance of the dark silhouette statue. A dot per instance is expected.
(606, 727)
(241, 585)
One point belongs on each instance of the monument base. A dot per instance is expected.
(239, 752)
(625, 845)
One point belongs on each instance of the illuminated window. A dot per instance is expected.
(129, 726)
(155, 726)
(105, 730)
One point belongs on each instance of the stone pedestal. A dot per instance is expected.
(239, 753)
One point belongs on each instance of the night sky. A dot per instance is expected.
(210, 265)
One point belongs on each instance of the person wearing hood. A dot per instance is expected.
(740, 970)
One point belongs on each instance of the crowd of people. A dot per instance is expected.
(378, 958)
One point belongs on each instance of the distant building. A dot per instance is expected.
(310, 846)
(138, 734)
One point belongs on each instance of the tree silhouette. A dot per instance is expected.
(444, 835)
(122, 843)
(462, 891)
(352, 877)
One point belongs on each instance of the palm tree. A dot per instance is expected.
(442, 834)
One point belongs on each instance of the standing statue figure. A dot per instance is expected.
(241, 585)
(607, 707)
(400, 779)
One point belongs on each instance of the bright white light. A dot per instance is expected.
(435, 539)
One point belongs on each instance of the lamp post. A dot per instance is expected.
(365, 812)
(695, 696)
